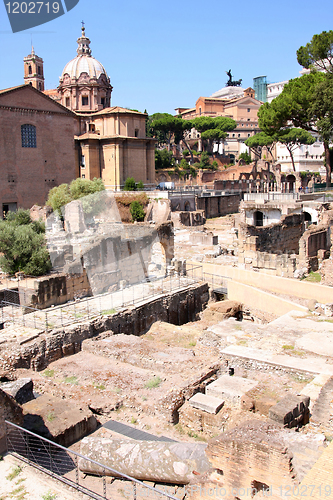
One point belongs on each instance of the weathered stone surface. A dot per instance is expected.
(230, 388)
(253, 455)
(21, 390)
(11, 411)
(200, 421)
(145, 460)
(219, 311)
(58, 420)
(206, 403)
(176, 307)
(290, 411)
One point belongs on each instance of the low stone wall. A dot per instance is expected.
(177, 308)
(195, 218)
(258, 299)
(56, 290)
(215, 206)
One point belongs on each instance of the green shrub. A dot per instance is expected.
(137, 211)
(140, 186)
(79, 188)
(130, 184)
(23, 245)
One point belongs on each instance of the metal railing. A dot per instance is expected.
(216, 281)
(87, 308)
(63, 465)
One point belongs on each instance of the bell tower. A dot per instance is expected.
(34, 71)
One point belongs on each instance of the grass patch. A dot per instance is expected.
(48, 373)
(313, 277)
(288, 347)
(50, 416)
(20, 480)
(71, 380)
(14, 473)
(179, 428)
(108, 312)
(153, 383)
(192, 343)
(134, 421)
(19, 491)
(241, 342)
(101, 387)
(49, 496)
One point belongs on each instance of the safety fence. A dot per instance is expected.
(217, 283)
(63, 465)
(87, 308)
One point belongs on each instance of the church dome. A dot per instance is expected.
(84, 62)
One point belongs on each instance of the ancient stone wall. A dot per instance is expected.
(176, 307)
(252, 455)
(196, 218)
(11, 411)
(55, 290)
(215, 206)
(279, 238)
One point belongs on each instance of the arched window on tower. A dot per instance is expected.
(30, 69)
(28, 136)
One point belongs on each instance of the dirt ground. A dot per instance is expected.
(135, 380)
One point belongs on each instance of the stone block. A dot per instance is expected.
(230, 388)
(21, 390)
(11, 411)
(290, 411)
(206, 403)
(58, 420)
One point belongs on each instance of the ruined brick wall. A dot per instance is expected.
(215, 206)
(252, 455)
(195, 218)
(280, 238)
(28, 173)
(55, 290)
(176, 308)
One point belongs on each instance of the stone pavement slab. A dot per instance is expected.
(210, 404)
(310, 364)
(230, 388)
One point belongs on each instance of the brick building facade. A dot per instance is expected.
(37, 149)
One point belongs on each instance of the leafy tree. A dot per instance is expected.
(213, 129)
(205, 160)
(317, 54)
(58, 197)
(163, 129)
(258, 141)
(163, 159)
(22, 243)
(140, 186)
(246, 157)
(293, 138)
(82, 187)
(130, 184)
(78, 188)
(137, 211)
(307, 103)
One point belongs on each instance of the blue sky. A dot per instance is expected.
(164, 55)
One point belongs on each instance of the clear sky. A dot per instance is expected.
(164, 55)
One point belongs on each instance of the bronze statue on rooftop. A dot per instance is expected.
(230, 83)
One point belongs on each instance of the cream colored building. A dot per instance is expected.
(233, 102)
